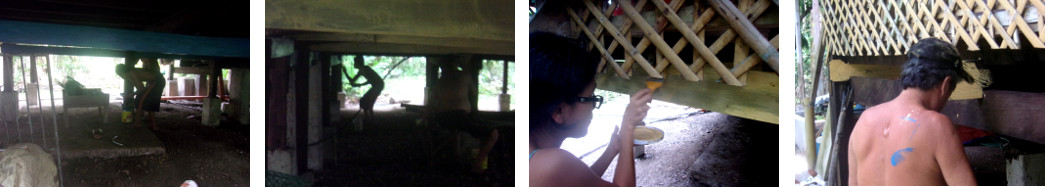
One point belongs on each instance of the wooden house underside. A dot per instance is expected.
(717, 55)
(396, 27)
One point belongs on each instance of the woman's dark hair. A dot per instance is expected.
(930, 61)
(560, 69)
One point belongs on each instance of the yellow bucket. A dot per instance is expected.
(126, 116)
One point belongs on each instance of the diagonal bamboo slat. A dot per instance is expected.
(751, 46)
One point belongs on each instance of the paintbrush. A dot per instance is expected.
(653, 83)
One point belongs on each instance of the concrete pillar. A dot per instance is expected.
(212, 104)
(9, 97)
(505, 101)
(318, 73)
(33, 87)
(1026, 170)
(239, 95)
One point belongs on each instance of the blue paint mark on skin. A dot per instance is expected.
(909, 119)
(897, 157)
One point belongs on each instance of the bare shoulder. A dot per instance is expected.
(559, 167)
(938, 122)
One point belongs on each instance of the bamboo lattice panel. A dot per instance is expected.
(593, 21)
(885, 27)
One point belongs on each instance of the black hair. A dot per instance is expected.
(930, 61)
(120, 68)
(560, 69)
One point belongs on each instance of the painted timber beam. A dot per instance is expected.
(842, 71)
(19, 32)
(758, 100)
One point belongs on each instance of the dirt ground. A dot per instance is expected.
(392, 151)
(212, 156)
(709, 149)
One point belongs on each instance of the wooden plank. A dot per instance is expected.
(477, 19)
(399, 39)
(121, 40)
(57, 50)
(841, 71)
(1016, 114)
(758, 100)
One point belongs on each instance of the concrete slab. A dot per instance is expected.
(77, 140)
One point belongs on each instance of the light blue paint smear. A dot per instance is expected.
(897, 157)
(908, 118)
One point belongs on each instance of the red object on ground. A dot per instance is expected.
(969, 133)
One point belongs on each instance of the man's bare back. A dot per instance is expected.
(903, 143)
(453, 92)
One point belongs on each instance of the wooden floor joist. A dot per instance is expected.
(735, 86)
(758, 100)
(75, 36)
(841, 71)
(402, 27)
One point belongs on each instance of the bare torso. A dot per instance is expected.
(452, 93)
(899, 143)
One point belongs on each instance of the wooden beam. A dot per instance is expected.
(841, 71)
(121, 40)
(747, 31)
(407, 49)
(400, 39)
(12, 48)
(758, 100)
(476, 19)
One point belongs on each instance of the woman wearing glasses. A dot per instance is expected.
(562, 77)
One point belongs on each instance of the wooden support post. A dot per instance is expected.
(747, 31)
(300, 66)
(8, 73)
(432, 76)
(277, 77)
(504, 77)
(636, 54)
(170, 75)
(32, 70)
(129, 59)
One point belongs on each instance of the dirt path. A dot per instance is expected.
(390, 152)
(710, 149)
(212, 156)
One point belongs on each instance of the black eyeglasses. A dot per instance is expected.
(596, 100)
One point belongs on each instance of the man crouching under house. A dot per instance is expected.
(146, 96)
(907, 141)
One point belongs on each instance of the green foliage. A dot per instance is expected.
(491, 79)
(411, 70)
